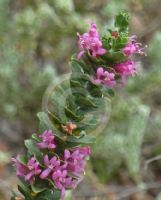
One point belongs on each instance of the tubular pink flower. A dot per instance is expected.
(48, 140)
(34, 169)
(90, 42)
(58, 173)
(132, 47)
(29, 170)
(104, 77)
(93, 31)
(51, 165)
(76, 160)
(63, 181)
(126, 68)
(21, 169)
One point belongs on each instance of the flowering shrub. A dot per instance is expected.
(56, 158)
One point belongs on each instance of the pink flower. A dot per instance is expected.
(63, 181)
(91, 42)
(51, 165)
(27, 171)
(126, 68)
(132, 47)
(21, 169)
(48, 140)
(58, 173)
(104, 77)
(76, 160)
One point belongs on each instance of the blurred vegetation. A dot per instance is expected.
(37, 39)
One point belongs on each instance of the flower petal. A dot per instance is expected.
(46, 160)
(45, 173)
(29, 176)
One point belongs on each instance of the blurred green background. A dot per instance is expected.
(37, 39)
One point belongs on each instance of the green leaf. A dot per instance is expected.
(78, 77)
(79, 66)
(78, 83)
(33, 150)
(94, 90)
(85, 103)
(45, 123)
(36, 189)
(78, 86)
(88, 123)
(23, 159)
(122, 21)
(25, 190)
(70, 103)
(120, 42)
(52, 194)
(76, 66)
(39, 185)
(106, 40)
(111, 92)
(75, 84)
(58, 104)
(35, 137)
(108, 92)
(113, 57)
(58, 101)
(84, 139)
(73, 115)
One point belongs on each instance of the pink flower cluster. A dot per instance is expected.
(104, 77)
(91, 42)
(76, 160)
(60, 170)
(27, 171)
(48, 140)
(57, 172)
(126, 68)
(132, 47)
